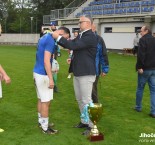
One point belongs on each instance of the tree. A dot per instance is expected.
(43, 7)
(15, 15)
(4, 12)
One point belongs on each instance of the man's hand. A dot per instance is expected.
(103, 74)
(51, 84)
(140, 71)
(7, 79)
(56, 71)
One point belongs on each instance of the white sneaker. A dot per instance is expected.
(69, 76)
(1, 130)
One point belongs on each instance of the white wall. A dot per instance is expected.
(20, 38)
(116, 40)
(119, 40)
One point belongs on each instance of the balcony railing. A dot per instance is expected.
(75, 3)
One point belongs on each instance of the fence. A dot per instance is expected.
(19, 39)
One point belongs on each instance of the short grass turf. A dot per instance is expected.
(120, 124)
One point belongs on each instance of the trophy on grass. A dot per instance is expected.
(95, 113)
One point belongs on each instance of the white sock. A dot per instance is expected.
(39, 117)
(44, 123)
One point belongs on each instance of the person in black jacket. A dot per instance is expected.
(83, 67)
(102, 63)
(146, 68)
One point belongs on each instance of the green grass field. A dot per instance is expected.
(120, 124)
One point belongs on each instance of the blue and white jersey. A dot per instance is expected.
(46, 43)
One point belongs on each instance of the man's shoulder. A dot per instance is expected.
(142, 38)
(88, 32)
(89, 35)
(147, 36)
(99, 37)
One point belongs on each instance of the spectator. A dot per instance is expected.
(135, 43)
(76, 33)
(0, 29)
(55, 69)
(102, 63)
(146, 69)
(53, 26)
(44, 31)
(44, 81)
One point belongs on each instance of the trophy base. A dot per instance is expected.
(96, 138)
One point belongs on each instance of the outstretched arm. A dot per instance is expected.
(4, 75)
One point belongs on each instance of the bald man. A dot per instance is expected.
(83, 66)
(146, 69)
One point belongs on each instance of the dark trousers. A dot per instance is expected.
(94, 91)
(135, 50)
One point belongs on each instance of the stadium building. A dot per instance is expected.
(117, 21)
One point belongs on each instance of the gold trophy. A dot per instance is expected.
(95, 113)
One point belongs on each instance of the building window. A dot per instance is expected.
(75, 29)
(137, 29)
(108, 30)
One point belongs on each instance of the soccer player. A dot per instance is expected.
(44, 81)
(6, 78)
